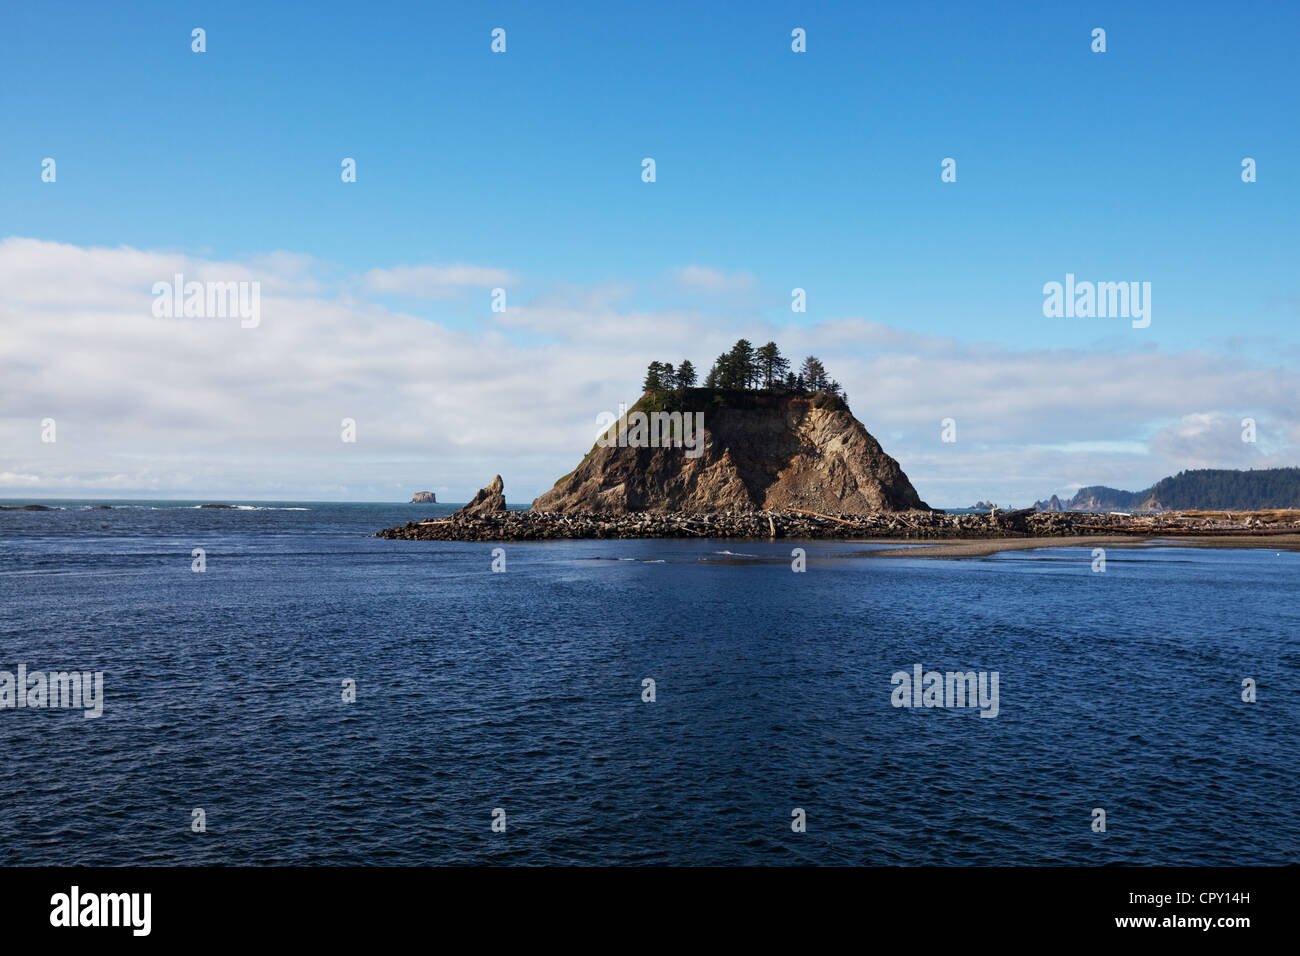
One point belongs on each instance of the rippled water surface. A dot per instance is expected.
(522, 690)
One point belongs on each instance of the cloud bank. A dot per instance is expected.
(200, 407)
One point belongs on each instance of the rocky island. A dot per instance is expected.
(759, 453)
(424, 498)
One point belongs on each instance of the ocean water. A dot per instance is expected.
(522, 691)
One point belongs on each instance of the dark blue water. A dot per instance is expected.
(522, 690)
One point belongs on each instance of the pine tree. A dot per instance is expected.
(720, 374)
(744, 370)
(814, 373)
(654, 377)
(686, 374)
(771, 365)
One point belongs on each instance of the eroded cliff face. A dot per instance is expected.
(489, 500)
(770, 452)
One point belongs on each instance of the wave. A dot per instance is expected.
(242, 508)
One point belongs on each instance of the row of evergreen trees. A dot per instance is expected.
(1216, 489)
(745, 367)
(662, 375)
(1229, 490)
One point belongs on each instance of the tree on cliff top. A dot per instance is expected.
(744, 367)
(686, 374)
(813, 373)
(772, 366)
(654, 377)
(745, 363)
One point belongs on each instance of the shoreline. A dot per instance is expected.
(979, 548)
(997, 530)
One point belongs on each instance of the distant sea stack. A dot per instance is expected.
(755, 451)
(488, 500)
(424, 498)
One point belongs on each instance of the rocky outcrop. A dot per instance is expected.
(489, 500)
(1102, 498)
(909, 525)
(757, 452)
(1051, 504)
(424, 498)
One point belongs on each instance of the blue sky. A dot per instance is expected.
(818, 170)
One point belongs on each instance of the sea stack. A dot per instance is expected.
(750, 452)
(424, 498)
(488, 500)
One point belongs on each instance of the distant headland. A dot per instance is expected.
(1207, 489)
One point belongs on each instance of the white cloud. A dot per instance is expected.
(1207, 440)
(713, 281)
(9, 479)
(433, 282)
